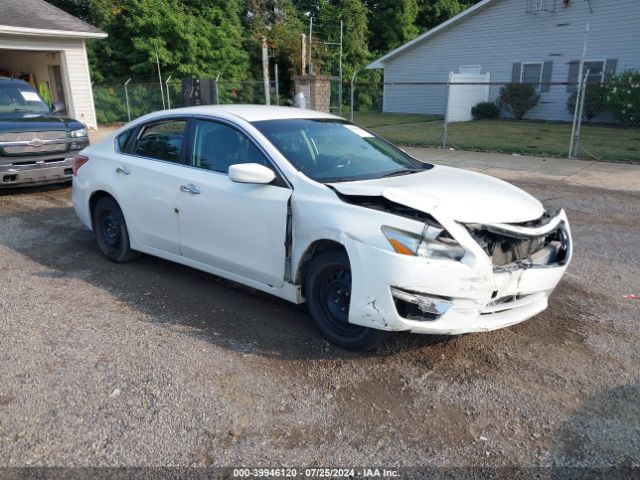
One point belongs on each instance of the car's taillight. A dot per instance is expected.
(78, 161)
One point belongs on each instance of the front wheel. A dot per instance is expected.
(328, 292)
(111, 231)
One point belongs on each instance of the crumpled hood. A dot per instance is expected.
(462, 195)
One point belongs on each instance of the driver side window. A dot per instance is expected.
(217, 146)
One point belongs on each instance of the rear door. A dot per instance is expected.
(239, 228)
(146, 179)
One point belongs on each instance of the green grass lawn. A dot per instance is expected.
(509, 136)
(376, 119)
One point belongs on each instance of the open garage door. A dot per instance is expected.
(44, 70)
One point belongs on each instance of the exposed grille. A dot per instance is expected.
(28, 136)
(505, 250)
(59, 147)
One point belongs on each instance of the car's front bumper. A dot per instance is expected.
(36, 170)
(474, 298)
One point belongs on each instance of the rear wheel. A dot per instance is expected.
(328, 292)
(111, 231)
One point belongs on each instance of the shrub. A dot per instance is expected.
(519, 98)
(485, 111)
(595, 101)
(623, 97)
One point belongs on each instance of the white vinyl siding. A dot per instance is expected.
(501, 33)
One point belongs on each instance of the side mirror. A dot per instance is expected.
(58, 107)
(251, 173)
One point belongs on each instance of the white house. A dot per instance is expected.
(42, 43)
(533, 41)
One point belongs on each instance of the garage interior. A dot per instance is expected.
(42, 69)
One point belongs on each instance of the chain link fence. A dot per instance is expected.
(590, 120)
(122, 103)
(599, 120)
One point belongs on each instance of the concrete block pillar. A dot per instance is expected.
(316, 90)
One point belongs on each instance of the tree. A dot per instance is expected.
(432, 13)
(391, 23)
(278, 20)
(353, 14)
(191, 37)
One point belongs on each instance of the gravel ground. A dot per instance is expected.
(151, 363)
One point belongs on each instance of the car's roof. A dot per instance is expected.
(253, 113)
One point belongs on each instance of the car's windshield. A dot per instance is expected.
(20, 97)
(329, 150)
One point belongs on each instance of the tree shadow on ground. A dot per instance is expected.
(221, 311)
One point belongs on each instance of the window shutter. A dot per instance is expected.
(515, 75)
(547, 69)
(572, 85)
(610, 67)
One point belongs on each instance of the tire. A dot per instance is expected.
(111, 231)
(328, 291)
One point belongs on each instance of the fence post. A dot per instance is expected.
(166, 84)
(126, 96)
(215, 89)
(352, 95)
(277, 92)
(160, 80)
(580, 96)
(572, 146)
(445, 133)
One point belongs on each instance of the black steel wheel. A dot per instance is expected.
(328, 292)
(111, 231)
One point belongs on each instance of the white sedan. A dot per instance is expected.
(309, 207)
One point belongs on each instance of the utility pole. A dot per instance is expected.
(265, 71)
(303, 51)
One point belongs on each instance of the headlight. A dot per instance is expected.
(81, 132)
(433, 243)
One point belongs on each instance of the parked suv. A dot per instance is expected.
(37, 143)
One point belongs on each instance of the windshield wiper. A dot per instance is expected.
(403, 172)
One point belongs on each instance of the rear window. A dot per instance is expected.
(123, 140)
(161, 140)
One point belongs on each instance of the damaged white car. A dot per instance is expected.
(309, 207)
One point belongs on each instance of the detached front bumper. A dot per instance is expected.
(421, 295)
(36, 170)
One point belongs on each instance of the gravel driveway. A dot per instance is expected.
(152, 363)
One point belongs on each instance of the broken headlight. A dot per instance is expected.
(434, 242)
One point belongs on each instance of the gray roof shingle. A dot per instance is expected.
(41, 15)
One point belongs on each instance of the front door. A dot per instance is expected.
(239, 228)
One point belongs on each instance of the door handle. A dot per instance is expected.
(191, 188)
(123, 171)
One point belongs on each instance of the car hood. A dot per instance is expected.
(462, 195)
(23, 122)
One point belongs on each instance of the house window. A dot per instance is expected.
(531, 73)
(596, 71)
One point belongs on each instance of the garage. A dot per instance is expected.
(45, 46)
